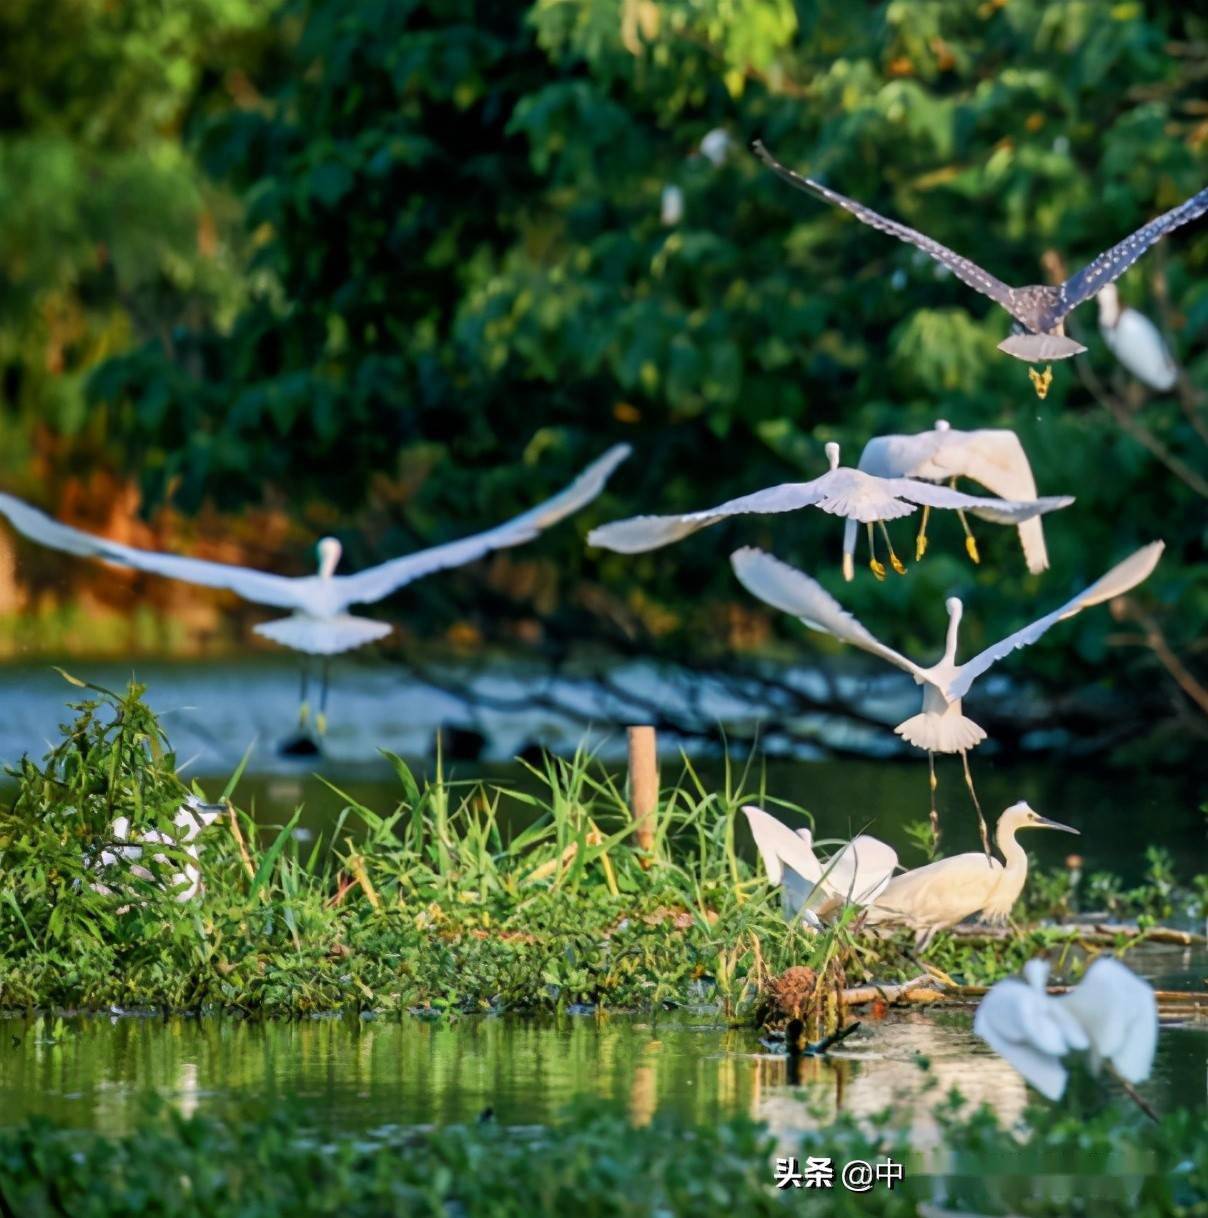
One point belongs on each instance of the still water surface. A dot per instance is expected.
(362, 1075)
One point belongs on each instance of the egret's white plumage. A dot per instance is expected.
(856, 874)
(941, 725)
(842, 491)
(939, 895)
(319, 624)
(1022, 1024)
(191, 818)
(992, 456)
(1111, 1013)
(1136, 342)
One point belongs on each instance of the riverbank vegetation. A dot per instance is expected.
(462, 898)
(1107, 1163)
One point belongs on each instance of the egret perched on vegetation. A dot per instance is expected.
(992, 456)
(1038, 311)
(192, 817)
(940, 727)
(813, 889)
(1111, 1013)
(318, 624)
(1136, 342)
(840, 491)
(939, 895)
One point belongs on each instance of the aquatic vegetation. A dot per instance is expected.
(441, 905)
(596, 1162)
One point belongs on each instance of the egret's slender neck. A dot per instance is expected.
(954, 626)
(329, 559)
(1014, 855)
(832, 455)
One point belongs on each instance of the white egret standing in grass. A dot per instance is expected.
(844, 491)
(939, 895)
(992, 456)
(1111, 1013)
(811, 888)
(191, 818)
(318, 624)
(941, 726)
(1136, 342)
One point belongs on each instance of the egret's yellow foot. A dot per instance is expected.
(971, 548)
(878, 569)
(898, 565)
(920, 546)
(303, 714)
(1041, 380)
(321, 724)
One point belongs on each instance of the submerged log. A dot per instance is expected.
(921, 989)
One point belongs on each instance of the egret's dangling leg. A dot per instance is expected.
(981, 820)
(303, 704)
(1041, 380)
(321, 717)
(920, 542)
(970, 540)
(875, 567)
(894, 561)
(935, 816)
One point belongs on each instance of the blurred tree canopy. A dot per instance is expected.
(481, 242)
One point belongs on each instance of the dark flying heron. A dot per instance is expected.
(1038, 310)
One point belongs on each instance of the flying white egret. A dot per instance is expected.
(813, 889)
(1111, 1013)
(840, 491)
(318, 624)
(192, 817)
(940, 727)
(992, 456)
(1135, 341)
(1038, 311)
(939, 895)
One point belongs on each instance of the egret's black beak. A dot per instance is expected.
(1044, 823)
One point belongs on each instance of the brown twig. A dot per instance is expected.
(1153, 638)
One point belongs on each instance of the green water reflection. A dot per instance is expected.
(356, 1074)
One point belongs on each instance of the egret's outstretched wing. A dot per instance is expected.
(1027, 1029)
(789, 860)
(963, 268)
(860, 871)
(784, 587)
(1112, 263)
(377, 582)
(998, 511)
(1120, 1015)
(258, 586)
(640, 533)
(1121, 578)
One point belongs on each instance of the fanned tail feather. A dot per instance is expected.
(950, 733)
(326, 636)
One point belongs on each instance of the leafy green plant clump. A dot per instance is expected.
(597, 1163)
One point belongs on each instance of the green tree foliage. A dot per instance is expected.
(461, 243)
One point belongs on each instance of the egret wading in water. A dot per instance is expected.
(992, 456)
(1111, 1014)
(318, 624)
(941, 726)
(1136, 342)
(842, 491)
(814, 889)
(941, 894)
(1038, 311)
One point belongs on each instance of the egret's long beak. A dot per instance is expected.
(1045, 823)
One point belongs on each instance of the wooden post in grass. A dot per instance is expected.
(643, 784)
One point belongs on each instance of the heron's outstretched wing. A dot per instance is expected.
(784, 587)
(963, 268)
(259, 586)
(1112, 263)
(640, 533)
(377, 582)
(1120, 1014)
(999, 511)
(1120, 579)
